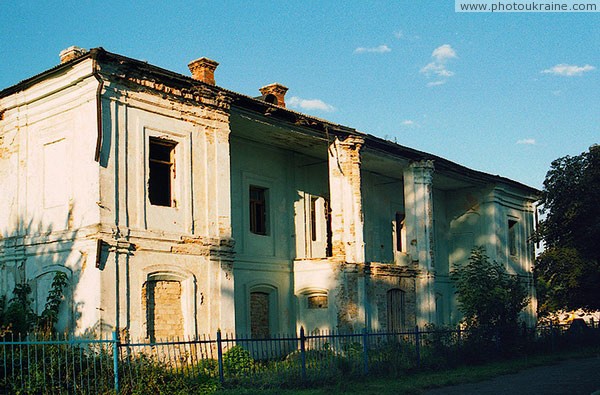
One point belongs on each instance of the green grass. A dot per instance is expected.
(418, 382)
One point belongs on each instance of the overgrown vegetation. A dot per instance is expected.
(490, 300)
(17, 316)
(82, 367)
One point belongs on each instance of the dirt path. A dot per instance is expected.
(576, 376)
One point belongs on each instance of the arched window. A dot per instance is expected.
(263, 311)
(270, 98)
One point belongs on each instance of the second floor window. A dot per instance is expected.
(161, 165)
(258, 210)
(512, 237)
(399, 233)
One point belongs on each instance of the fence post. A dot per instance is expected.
(365, 352)
(418, 346)
(303, 353)
(115, 341)
(220, 356)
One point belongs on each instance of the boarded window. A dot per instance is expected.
(161, 165)
(395, 310)
(164, 318)
(512, 237)
(258, 210)
(259, 315)
(317, 302)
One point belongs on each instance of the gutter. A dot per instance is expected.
(96, 74)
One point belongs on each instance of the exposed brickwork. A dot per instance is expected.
(346, 200)
(164, 319)
(382, 280)
(259, 315)
(203, 69)
(378, 280)
(277, 90)
(348, 299)
(71, 53)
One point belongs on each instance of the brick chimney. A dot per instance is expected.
(203, 69)
(274, 93)
(71, 53)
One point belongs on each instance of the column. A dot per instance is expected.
(418, 206)
(346, 200)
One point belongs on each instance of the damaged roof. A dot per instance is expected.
(257, 104)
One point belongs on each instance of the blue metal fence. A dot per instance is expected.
(95, 366)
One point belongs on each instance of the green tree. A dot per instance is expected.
(568, 271)
(489, 298)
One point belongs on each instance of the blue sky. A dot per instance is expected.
(502, 93)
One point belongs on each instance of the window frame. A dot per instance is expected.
(512, 237)
(258, 209)
(400, 232)
(155, 198)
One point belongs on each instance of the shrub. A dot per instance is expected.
(237, 361)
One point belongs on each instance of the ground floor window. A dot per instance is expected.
(164, 318)
(259, 315)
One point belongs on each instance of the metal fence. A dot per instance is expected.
(94, 366)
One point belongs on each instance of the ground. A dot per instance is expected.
(574, 376)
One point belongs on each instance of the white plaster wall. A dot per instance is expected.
(50, 189)
(382, 198)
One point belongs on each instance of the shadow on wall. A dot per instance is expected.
(31, 254)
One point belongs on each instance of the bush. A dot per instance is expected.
(237, 361)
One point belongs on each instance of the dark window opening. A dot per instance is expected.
(258, 210)
(329, 248)
(512, 237)
(399, 225)
(313, 218)
(271, 99)
(161, 164)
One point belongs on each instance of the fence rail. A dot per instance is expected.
(78, 365)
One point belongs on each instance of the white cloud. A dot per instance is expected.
(568, 70)
(443, 53)
(436, 83)
(379, 49)
(528, 141)
(399, 35)
(438, 67)
(410, 123)
(310, 104)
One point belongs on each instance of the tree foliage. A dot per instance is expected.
(568, 271)
(489, 298)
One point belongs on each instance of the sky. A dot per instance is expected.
(503, 93)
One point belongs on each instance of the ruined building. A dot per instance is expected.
(177, 207)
